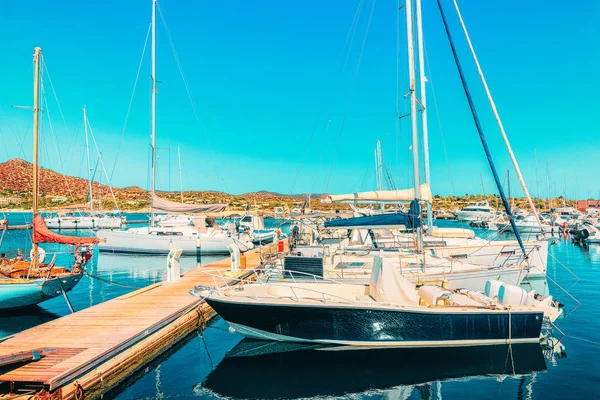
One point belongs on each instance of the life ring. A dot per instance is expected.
(41, 255)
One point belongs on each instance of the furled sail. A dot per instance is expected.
(381, 196)
(41, 234)
(379, 221)
(167, 206)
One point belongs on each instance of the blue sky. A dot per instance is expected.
(288, 105)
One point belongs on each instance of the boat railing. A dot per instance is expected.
(253, 276)
(513, 255)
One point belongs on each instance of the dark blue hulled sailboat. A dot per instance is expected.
(389, 311)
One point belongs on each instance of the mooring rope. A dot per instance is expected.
(111, 282)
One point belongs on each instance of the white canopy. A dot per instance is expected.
(167, 206)
(381, 196)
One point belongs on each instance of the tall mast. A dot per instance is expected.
(87, 150)
(548, 184)
(498, 120)
(180, 178)
(153, 110)
(423, 94)
(37, 52)
(413, 109)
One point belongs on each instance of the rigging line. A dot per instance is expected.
(45, 68)
(312, 134)
(46, 109)
(439, 121)
(362, 49)
(480, 131)
(137, 76)
(99, 154)
(191, 98)
(499, 121)
(353, 27)
(351, 33)
(21, 142)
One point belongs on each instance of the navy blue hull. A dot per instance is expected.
(355, 325)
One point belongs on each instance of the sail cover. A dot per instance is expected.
(379, 221)
(41, 234)
(381, 196)
(167, 206)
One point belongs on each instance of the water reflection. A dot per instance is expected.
(304, 371)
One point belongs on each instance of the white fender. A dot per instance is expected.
(41, 255)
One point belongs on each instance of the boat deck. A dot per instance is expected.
(95, 348)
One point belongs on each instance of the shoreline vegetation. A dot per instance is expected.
(60, 191)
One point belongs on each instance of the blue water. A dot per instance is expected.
(218, 363)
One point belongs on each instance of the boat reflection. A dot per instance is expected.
(301, 371)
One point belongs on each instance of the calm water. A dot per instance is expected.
(219, 363)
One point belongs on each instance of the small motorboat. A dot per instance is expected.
(389, 311)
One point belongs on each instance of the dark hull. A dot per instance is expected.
(376, 326)
(326, 372)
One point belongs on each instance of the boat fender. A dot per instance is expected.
(41, 255)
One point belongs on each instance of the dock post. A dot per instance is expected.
(173, 267)
(234, 252)
(198, 253)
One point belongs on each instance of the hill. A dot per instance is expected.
(58, 190)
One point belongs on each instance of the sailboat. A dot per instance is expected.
(389, 310)
(84, 217)
(202, 236)
(25, 283)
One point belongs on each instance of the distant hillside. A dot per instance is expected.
(16, 182)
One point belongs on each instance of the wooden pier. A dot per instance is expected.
(15, 227)
(85, 354)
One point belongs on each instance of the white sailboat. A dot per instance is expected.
(194, 239)
(457, 244)
(85, 217)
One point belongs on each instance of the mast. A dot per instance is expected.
(413, 110)
(486, 149)
(423, 93)
(89, 166)
(498, 120)
(153, 110)
(548, 184)
(37, 52)
(180, 179)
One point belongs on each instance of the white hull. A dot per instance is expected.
(499, 253)
(83, 222)
(128, 242)
(473, 216)
(473, 279)
(529, 228)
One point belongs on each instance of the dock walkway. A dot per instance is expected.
(90, 351)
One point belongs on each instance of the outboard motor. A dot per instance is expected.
(579, 234)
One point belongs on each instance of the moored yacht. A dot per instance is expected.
(389, 311)
(480, 211)
(204, 237)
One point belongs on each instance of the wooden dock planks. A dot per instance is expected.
(115, 337)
